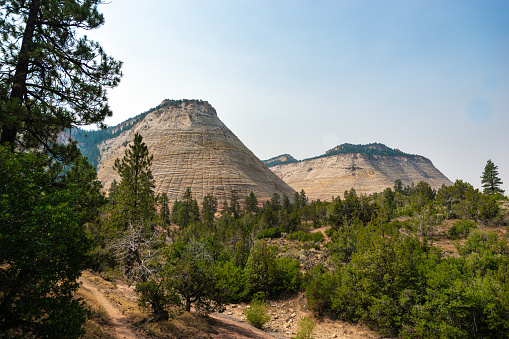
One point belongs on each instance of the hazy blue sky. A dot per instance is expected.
(299, 77)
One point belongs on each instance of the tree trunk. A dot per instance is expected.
(19, 88)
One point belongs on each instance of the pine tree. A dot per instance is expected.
(186, 211)
(490, 180)
(51, 78)
(234, 204)
(251, 203)
(209, 208)
(134, 195)
(164, 210)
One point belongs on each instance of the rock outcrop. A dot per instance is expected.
(193, 148)
(327, 176)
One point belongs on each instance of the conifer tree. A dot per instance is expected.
(251, 203)
(51, 78)
(164, 210)
(490, 180)
(186, 211)
(234, 204)
(134, 195)
(209, 208)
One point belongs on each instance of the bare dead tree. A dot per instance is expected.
(137, 251)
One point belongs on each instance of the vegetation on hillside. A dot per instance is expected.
(370, 150)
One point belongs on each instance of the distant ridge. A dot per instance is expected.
(279, 160)
(367, 168)
(369, 149)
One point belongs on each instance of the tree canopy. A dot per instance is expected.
(51, 78)
(43, 245)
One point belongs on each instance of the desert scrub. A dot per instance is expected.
(257, 313)
(306, 327)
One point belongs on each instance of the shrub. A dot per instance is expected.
(154, 297)
(289, 277)
(306, 327)
(261, 269)
(461, 229)
(257, 313)
(269, 233)
(320, 284)
(232, 280)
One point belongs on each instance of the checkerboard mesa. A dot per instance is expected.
(192, 148)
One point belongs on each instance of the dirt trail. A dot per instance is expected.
(118, 320)
(231, 328)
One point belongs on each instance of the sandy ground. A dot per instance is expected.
(118, 320)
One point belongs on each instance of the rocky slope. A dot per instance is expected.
(192, 148)
(279, 160)
(330, 175)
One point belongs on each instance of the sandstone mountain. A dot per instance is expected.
(367, 168)
(279, 160)
(191, 148)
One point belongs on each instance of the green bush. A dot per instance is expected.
(461, 229)
(257, 314)
(157, 299)
(232, 280)
(261, 269)
(319, 283)
(269, 233)
(289, 277)
(329, 232)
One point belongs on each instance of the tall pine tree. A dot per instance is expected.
(490, 180)
(51, 78)
(134, 195)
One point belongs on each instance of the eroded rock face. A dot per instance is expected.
(193, 148)
(325, 177)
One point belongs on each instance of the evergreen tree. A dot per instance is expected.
(275, 201)
(164, 210)
(209, 208)
(51, 78)
(287, 206)
(251, 203)
(135, 198)
(296, 201)
(303, 199)
(186, 211)
(490, 180)
(43, 244)
(235, 204)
